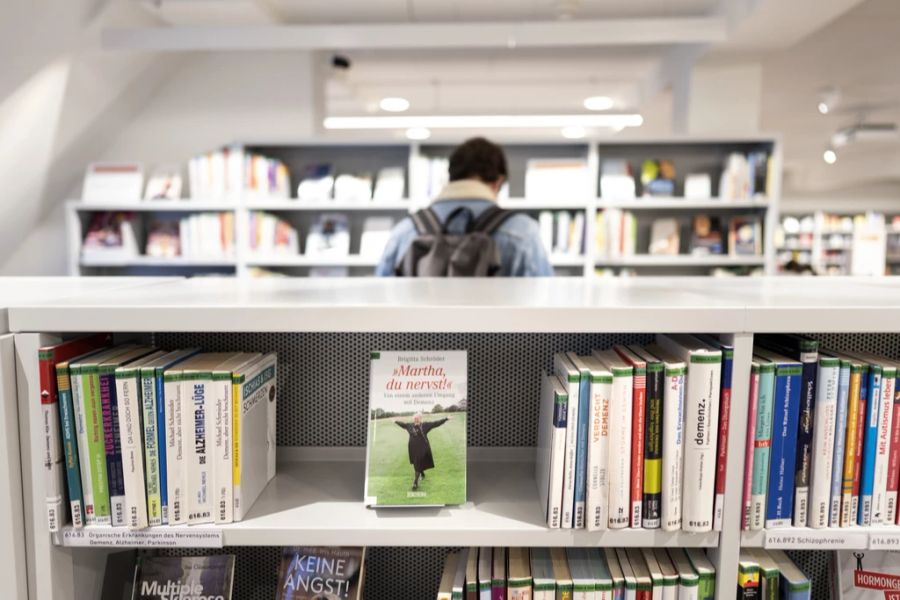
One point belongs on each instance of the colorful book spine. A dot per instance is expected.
(112, 445)
(882, 446)
(196, 424)
(84, 463)
(893, 480)
(653, 445)
(786, 409)
(162, 443)
(620, 448)
(673, 440)
(827, 386)
(598, 453)
(70, 444)
(722, 444)
(748, 580)
(638, 417)
(581, 441)
(571, 377)
(96, 443)
(809, 358)
(860, 439)
(128, 399)
(52, 457)
(870, 445)
(840, 439)
(752, 402)
(151, 445)
(762, 444)
(175, 449)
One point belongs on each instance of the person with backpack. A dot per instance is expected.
(464, 233)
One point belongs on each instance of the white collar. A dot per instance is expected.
(466, 189)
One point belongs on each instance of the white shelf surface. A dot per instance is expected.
(878, 537)
(516, 203)
(328, 206)
(564, 305)
(567, 260)
(353, 260)
(184, 205)
(680, 260)
(155, 261)
(681, 203)
(321, 503)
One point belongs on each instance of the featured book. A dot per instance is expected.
(315, 572)
(416, 451)
(164, 578)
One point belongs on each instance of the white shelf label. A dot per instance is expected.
(832, 539)
(884, 540)
(157, 537)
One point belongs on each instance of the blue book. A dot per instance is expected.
(794, 585)
(785, 414)
(840, 438)
(581, 448)
(870, 443)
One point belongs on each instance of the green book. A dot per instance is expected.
(705, 570)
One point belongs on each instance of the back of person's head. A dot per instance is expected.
(478, 158)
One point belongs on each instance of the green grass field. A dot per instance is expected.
(391, 475)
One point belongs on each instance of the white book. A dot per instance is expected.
(569, 374)
(582, 578)
(673, 437)
(459, 577)
(255, 404)
(628, 573)
(545, 224)
(485, 562)
(619, 438)
(598, 446)
(670, 575)
(688, 580)
(701, 427)
(175, 459)
(656, 575)
(551, 448)
(883, 447)
(822, 458)
(544, 585)
(561, 245)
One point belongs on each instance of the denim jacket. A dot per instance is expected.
(522, 253)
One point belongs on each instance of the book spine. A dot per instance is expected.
(823, 442)
(653, 446)
(893, 478)
(870, 443)
(808, 360)
(70, 446)
(581, 460)
(673, 440)
(81, 434)
(557, 466)
(598, 455)
(150, 437)
(762, 446)
(722, 443)
(620, 449)
(840, 438)
(195, 425)
(161, 444)
(753, 398)
(568, 515)
(848, 518)
(701, 426)
(52, 446)
(113, 448)
(96, 445)
(638, 417)
(175, 451)
(882, 449)
(860, 439)
(129, 410)
(786, 409)
(224, 500)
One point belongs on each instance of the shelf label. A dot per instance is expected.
(161, 537)
(787, 539)
(884, 540)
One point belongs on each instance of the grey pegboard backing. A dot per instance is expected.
(323, 377)
(818, 566)
(880, 344)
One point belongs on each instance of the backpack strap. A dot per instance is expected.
(490, 220)
(426, 222)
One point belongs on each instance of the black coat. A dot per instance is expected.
(419, 448)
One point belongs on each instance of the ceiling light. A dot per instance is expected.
(418, 133)
(612, 121)
(829, 98)
(598, 103)
(830, 156)
(574, 132)
(394, 104)
(823, 108)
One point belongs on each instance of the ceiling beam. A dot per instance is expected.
(603, 32)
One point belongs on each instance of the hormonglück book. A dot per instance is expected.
(416, 451)
(321, 573)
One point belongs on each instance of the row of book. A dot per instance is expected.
(772, 574)
(823, 448)
(232, 172)
(321, 183)
(631, 436)
(136, 436)
(562, 232)
(114, 235)
(577, 574)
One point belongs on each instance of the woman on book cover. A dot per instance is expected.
(419, 449)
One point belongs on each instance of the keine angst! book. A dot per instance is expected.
(416, 452)
(321, 573)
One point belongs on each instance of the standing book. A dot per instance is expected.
(769, 575)
(827, 386)
(748, 577)
(581, 440)
(498, 574)
(519, 580)
(485, 564)
(870, 443)
(858, 452)
(598, 449)
(561, 573)
(840, 439)
(793, 584)
(472, 575)
(883, 440)
(615, 572)
(752, 403)
(705, 570)
(641, 574)
(657, 581)
(762, 442)
(701, 425)
(603, 582)
(631, 589)
(445, 588)
(653, 438)
(570, 375)
(164, 578)
(893, 476)
(417, 411)
(619, 438)
(459, 577)
(544, 585)
(670, 575)
(582, 576)
(688, 580)
(638, 418)
(310, 573)
(852, 444)
(724, 423)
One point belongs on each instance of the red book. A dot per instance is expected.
(893, 481)
(724, 421)
(639, 402)
(750, 444)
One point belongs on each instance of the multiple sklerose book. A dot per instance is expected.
(632, 436)
(137, 436)
(576, 574)
(823, 449)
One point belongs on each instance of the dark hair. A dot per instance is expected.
(478, 158)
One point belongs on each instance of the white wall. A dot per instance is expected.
(725, 98)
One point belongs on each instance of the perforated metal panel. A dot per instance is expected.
(323, 378)
(818, 566)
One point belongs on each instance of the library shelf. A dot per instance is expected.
(526, 203)
(302, 260)
(681, 260)
(878, 537)
(155, 261)
(401, 205)
(687, 204)
(152, 206)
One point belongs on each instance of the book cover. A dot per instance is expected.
(748, 577)
(752, 400)
(827, 384)
(872, 575)
(314, 572)
(762, 443)
(485, 565)
(498, 574)
(550, 451)
(840, 438)
(870, 445)
(519, 580)
(653, 438)
(164, 578)
(638, 425)
(705, 571)
(861, 423)
(688, 580)
(619, 438)
(581, 442)
(567, 372)
(893, 476)
(598, 450)
(416, 452)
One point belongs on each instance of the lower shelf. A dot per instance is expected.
(885, 537)
(320, 503)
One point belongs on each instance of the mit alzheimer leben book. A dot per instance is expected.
(416, 451)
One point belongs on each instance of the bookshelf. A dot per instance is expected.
(327, 328)
(689, 155)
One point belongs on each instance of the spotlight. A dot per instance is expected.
(829, 99)
(830, 156)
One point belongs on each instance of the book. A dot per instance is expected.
(643, 579)
(57, 420)
(884, 398)
(748, 577)
(445, 588)
(519, 580)
(657, 581)
(762, 442)
(752, 401)
(620, 424)
(840, 438)
(786, 412)
(631, 591)
(670, 575)
(459, 577)
(893, 474)
(562, 574)
(498, 574)
(164, 183)
(163, 577)
(255, 406)
(706, 237)
(664, 237)
(870, 443)
(793, 583)
(118, 576)
(615, 572)
(598, 452)
(745, 236)
(638, 424)
(390, 183)
(376, 232)
(724, 421)
(688, 580)
(313, 572)
(567, 372)
(582, 576)
(701, 426)
(581, 441)
(855, 410)
(653, 438)
(485, 564)
(471, 592)
(111, 183)
(823, 441)
(705, 571)
(603, 582)
(675, 371)
(417, 408)
(769, 575)
(543, 583)
(861, 423)
(550, 452)
(329, 236)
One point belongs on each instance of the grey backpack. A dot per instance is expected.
(435, 252)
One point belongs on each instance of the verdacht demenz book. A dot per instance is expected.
(416, 453)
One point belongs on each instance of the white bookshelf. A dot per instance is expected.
(316, 497)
